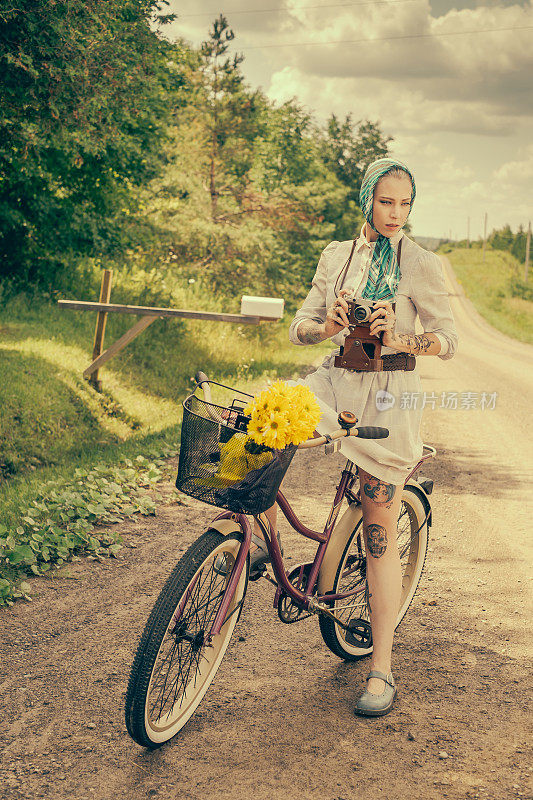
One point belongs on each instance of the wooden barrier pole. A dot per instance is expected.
(105, 295)
(113, 349)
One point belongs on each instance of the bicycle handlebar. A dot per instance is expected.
(203, 382)
(365, 432)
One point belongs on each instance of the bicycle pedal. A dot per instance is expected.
(258, 572)
(360, 633)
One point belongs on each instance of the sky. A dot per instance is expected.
(451, 82)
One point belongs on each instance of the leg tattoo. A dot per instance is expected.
(376, 539)
(380, 492)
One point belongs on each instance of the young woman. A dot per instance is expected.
(384, 265)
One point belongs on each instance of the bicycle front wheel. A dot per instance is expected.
(175, 662)
(412, 539)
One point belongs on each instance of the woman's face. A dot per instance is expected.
(392, 203)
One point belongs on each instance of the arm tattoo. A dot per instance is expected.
(310, 332)
(376, 537)
(380, 492)
(417, 345)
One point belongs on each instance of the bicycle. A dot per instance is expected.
(191, 624)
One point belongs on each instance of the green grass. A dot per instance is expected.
(71, 457)
(489, 287)
(52, 421)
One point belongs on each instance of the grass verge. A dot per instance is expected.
(496, 289)
(55, 430)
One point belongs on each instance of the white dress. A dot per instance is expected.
(421, 291)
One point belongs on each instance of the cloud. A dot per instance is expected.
(399, 107)
(517, 172)
(464, 81)
(450, 57)
(450, 191)
(264, 17)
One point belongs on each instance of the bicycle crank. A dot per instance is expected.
(359, 631)
(288, 610)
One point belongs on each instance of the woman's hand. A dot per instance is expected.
(337, 316)
(382, 321)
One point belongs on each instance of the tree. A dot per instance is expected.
(84, 108)
(518, 248)
(312, 200)
(233, 117)
(349, 151)
(501, 239)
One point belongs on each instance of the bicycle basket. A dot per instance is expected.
(215, 467)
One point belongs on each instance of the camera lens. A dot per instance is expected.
(361, 314)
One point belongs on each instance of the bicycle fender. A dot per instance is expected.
(338, 541)
(419, 490)
(225, 526)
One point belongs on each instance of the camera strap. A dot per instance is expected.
(344, 271)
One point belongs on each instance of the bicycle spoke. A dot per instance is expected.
(180, 662)
(162, 692)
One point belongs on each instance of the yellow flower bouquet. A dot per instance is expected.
(280, 416)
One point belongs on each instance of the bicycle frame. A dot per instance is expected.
(344, 490)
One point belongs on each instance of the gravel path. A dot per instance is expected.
(278, 718)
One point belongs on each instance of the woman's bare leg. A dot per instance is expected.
(381, 507)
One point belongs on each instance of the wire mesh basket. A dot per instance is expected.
(218, 463)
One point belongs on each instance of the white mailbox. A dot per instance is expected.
(269, 307)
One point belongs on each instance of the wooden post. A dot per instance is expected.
(468, 232)
(528, 245)
(485, 237)
(105, 295)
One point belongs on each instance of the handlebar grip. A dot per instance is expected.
(200, 378)
(372, 432)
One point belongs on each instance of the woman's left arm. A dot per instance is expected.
(430, 297)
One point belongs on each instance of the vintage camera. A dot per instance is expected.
(359, 310)
(360, 351)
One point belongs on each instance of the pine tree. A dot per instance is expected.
(233, 118)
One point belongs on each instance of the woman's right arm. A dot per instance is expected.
(311, 332)
(313, 322)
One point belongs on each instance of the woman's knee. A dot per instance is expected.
(378, 495)
(381, 502)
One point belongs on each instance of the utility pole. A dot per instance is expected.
(528, 243)
(468, 232)
(484, 237)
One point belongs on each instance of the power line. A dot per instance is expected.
(386, 38)
(300, 8)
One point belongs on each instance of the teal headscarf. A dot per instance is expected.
(384, 272)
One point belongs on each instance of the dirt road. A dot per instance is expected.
(278, 721)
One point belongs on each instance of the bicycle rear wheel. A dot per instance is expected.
(412, 539)
(175, 664)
